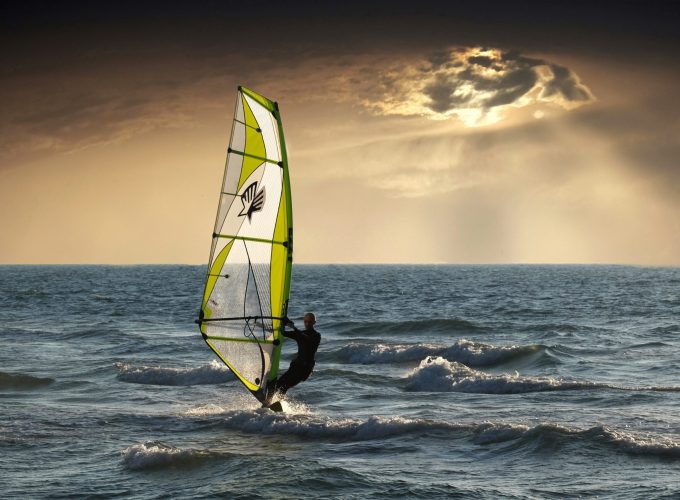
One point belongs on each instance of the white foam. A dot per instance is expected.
(205, 410)
(436, 374)
(154, 454)
(210, 373)
(314, 426)
(645, 444)
(464, 351)
(488, 433)
(310, 426)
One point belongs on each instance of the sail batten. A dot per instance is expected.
(255, 157)
(248, 278)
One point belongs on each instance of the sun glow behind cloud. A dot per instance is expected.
(475, 85)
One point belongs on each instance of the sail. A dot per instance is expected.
(248, 280)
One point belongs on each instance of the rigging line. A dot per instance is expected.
(261, 158)
(249, 238)
(245, 300)
(257, 288)
(259, 302)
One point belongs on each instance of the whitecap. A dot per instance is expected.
(463, 351)
(210, 373)
(436, 374)
(155, 454)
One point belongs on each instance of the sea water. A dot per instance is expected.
(431, 382)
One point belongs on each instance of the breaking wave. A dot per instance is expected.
(312, 426)
(436, 374)
(211, 373)
(463, 351)
(156, 455)
(20, 381)
(643, 444)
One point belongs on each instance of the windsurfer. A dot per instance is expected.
(302, 365)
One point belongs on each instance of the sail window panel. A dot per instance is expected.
(268, 129)
(258, 295)
(258, 298)
(227, 299)
(243, 287)
(250, 360)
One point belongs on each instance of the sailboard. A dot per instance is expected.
(247, 285)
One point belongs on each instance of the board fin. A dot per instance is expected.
(276, 407)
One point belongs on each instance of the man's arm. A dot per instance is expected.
(295, 334)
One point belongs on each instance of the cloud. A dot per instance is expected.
(64, 111)
(474, 85)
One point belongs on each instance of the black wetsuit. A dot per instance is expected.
(302, 365)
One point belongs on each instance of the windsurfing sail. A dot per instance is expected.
(248, 280)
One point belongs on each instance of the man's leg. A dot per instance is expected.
(289, 379)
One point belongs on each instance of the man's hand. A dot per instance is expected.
(288, 322)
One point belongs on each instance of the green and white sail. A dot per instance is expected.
(248, 279)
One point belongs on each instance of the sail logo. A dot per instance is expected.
(253, 200)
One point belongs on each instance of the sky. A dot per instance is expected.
(417, 132)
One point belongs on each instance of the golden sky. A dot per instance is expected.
(451, 137)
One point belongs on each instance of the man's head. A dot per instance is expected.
(309, 320)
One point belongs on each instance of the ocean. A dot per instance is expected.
(515, 381)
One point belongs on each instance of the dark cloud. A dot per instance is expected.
(512, 86)
(475, 84)
(483, 61)
(565, 83)
(79, 73)
(443, 96)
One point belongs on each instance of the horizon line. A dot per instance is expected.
(499, 264)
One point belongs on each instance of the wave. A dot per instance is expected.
(644, 444)
(20, 381)
(30, 294)
(157, 455)
(463, 351)
(312, 426)
(436, 374)
(646, 345)
(372, 328)
(357, 378)
(648, 444)
(211, 373)
(666, 329)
